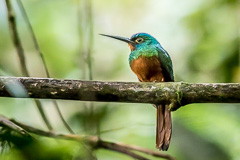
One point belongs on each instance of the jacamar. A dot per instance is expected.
(151, 63)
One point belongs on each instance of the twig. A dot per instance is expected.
(85, 25)
(146, 151)
(62, 118)
(94, 141)
(43, 114)
(15, 38)
(89, 21)
(81, 40)
(20, 51)
(6, 122)
(119, 148)
(24, 14)
(90, 37)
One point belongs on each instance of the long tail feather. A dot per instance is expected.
(164, 127)
(160, 129)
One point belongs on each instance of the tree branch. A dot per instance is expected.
(131, 92)
(94, 141)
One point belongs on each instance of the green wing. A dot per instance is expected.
(166, 63)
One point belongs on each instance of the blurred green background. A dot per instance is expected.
(201, 36)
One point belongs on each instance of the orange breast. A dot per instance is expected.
(147, 69)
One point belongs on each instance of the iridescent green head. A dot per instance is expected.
(142, 40)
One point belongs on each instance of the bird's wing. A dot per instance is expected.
(166, 64)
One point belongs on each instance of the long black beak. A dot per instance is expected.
(118, 38)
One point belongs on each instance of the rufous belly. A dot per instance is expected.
(147, 69)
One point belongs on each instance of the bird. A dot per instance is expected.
(151, 63)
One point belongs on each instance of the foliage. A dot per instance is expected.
(22, 147)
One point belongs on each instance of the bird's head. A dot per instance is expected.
(137, 40)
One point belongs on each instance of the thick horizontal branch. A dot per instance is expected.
(133, 92)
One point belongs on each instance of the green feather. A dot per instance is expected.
(143, 51)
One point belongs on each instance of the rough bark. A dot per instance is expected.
(178, 93)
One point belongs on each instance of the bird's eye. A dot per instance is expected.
(139, 40)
